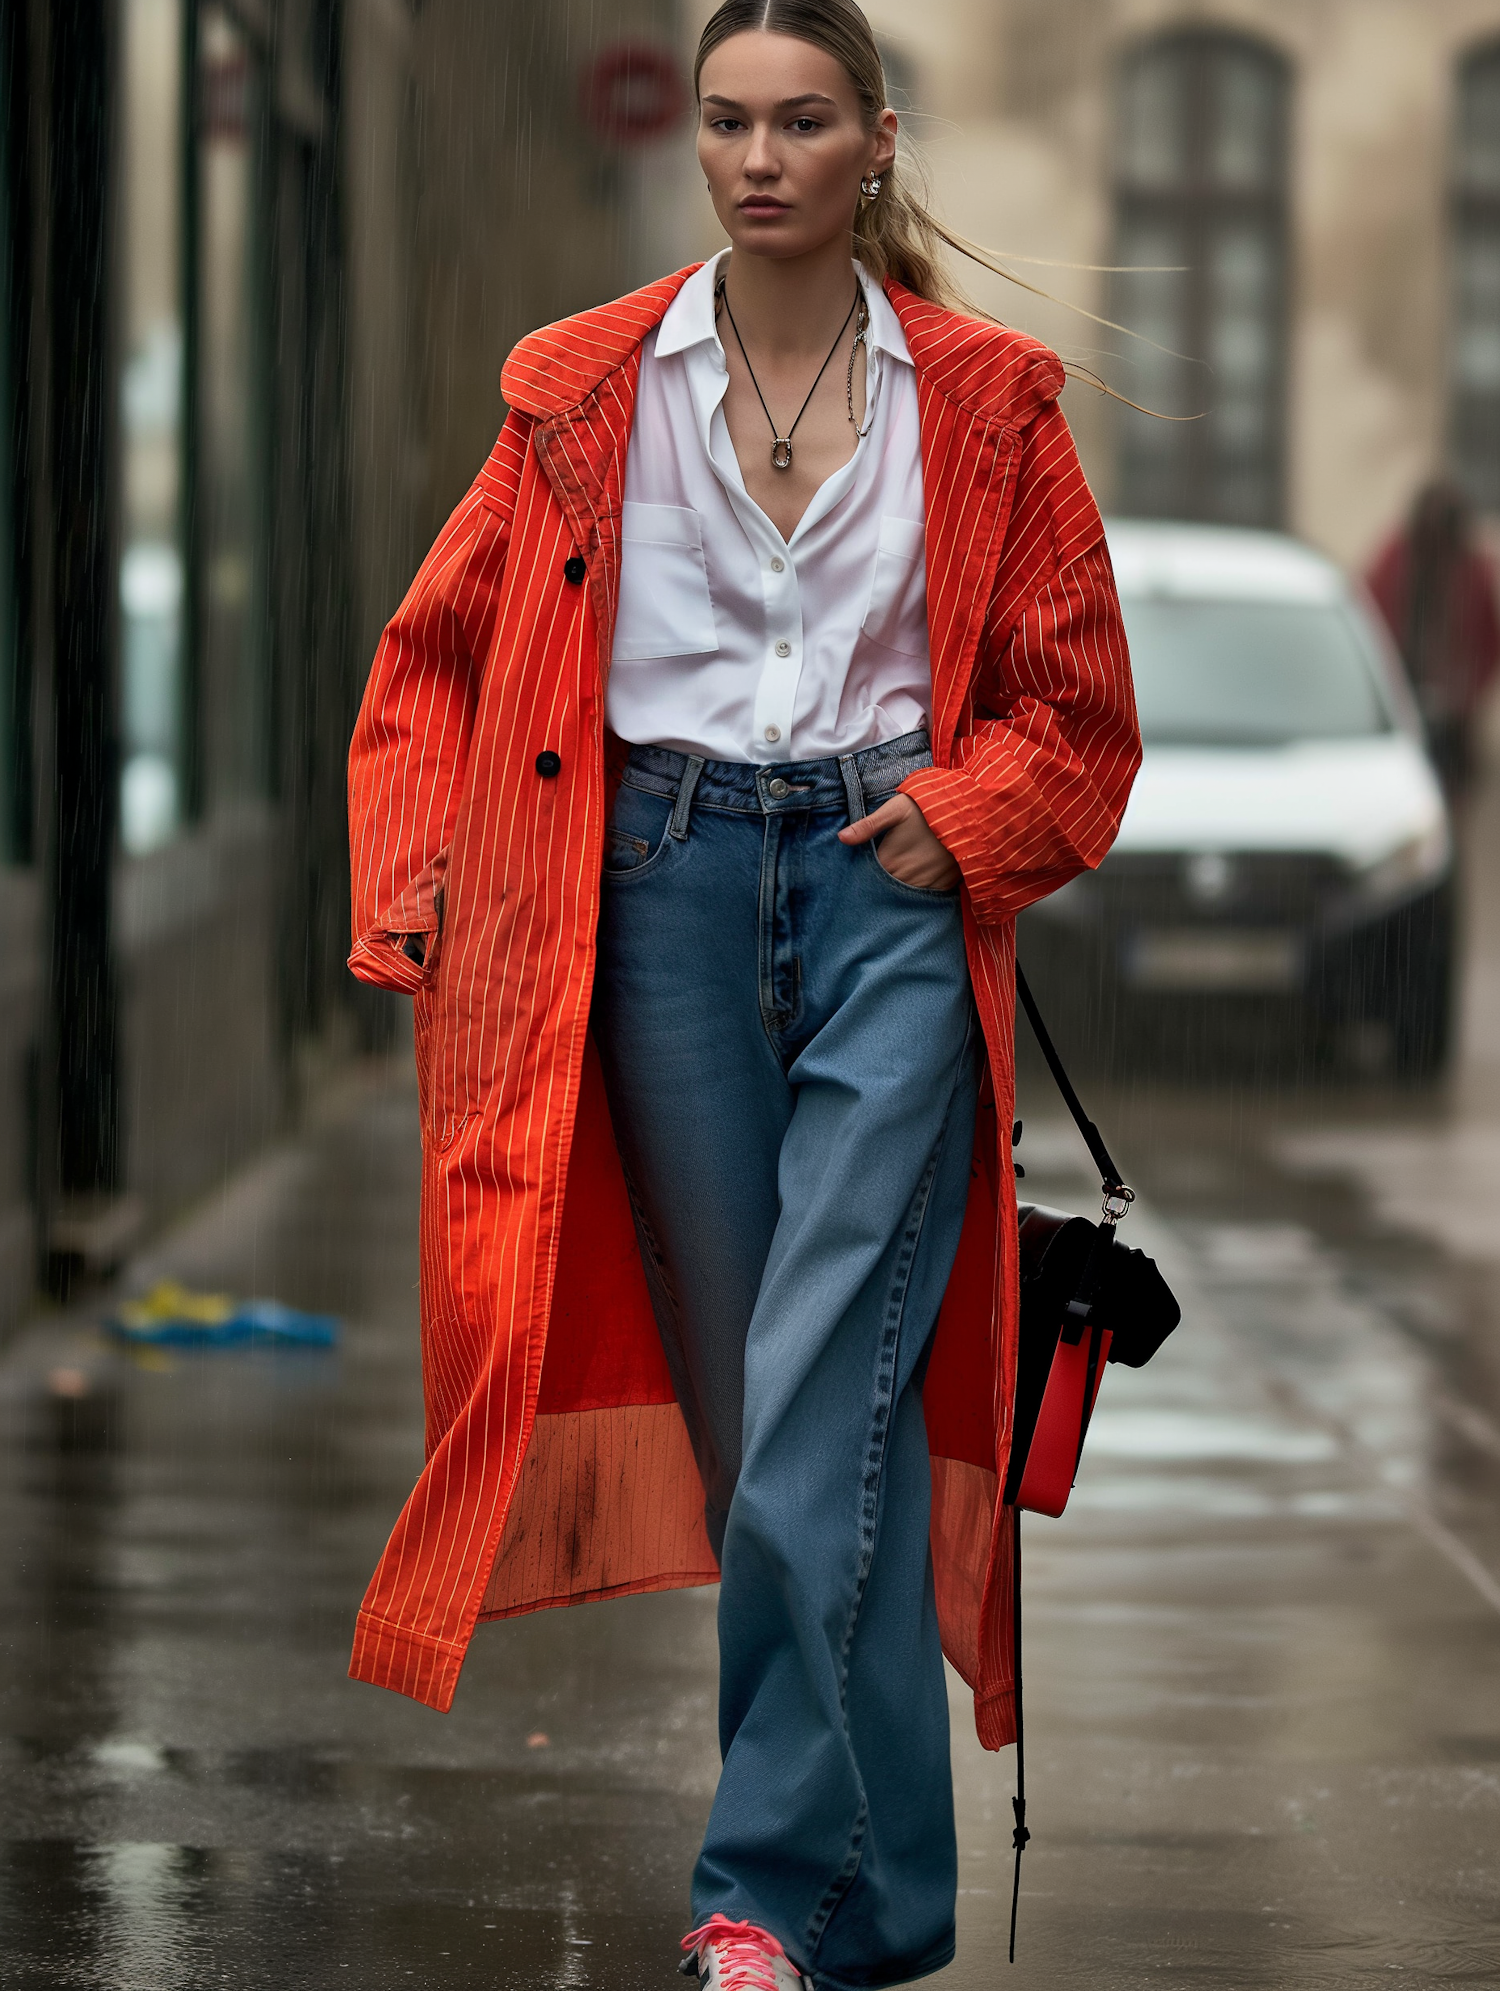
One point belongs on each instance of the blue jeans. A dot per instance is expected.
(791, 1053)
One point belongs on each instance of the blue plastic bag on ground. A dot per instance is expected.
(174, 1316)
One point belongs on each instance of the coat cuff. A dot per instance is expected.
(983, 825)
(380, 959)
(995, 1717)
(387, 1655)
(379, 955)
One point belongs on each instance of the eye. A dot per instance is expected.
(806, 124)
(725, 124)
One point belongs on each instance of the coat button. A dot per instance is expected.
(548, 763)
(574, 570)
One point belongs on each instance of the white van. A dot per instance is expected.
(1287, 840)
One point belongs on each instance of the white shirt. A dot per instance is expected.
(732, 642)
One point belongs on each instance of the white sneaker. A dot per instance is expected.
(736, 1956)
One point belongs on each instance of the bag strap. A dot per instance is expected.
(1020, 1835)
(1117, 1196)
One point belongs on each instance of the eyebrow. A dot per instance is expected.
(786, 104)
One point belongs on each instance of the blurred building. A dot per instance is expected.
(260, 261)
(1321, 181)
(1325, 177)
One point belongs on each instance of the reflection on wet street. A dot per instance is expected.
(1262, 1644)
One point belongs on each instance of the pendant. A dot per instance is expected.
(781, 453)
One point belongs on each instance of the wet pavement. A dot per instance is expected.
(1263, 1646)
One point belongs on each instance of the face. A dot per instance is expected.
(783, 144)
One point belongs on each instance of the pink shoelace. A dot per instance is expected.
(747, 1955)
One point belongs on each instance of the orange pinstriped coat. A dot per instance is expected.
(558, 1463)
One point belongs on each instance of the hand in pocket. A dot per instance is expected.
(908, 849)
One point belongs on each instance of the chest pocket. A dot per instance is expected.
(665, 609)
(897, 611)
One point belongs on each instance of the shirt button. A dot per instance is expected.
(783, 648)
(778, 788)
(778, 565)
(548, 764)
(574, 570)
(773, 734)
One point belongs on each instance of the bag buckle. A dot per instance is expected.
(1117, 1202)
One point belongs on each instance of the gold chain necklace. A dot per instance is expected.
(781, 445)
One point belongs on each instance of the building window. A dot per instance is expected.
(1474, 365)
(231, 415)
(154, 735)
(194, 418)
(1201, 211)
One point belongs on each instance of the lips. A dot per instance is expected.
(762, 206)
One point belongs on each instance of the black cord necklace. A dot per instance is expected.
(781, 445)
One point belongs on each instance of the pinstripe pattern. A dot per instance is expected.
(557, 1462)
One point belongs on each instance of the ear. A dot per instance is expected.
(883, 140)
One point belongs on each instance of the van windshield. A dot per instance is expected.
(1252, 673)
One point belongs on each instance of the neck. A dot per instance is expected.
(793, 305)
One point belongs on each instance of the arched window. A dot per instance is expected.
(1200, 186)
(1474, 364)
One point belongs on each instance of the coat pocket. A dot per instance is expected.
(896, 615)
(665, 607)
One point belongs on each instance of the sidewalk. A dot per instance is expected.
(1264, 1733)
(193, 1792)
(1264, 1736)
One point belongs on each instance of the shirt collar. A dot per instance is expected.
(885, 334)
(689, 318)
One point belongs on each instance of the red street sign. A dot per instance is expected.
(632, 92)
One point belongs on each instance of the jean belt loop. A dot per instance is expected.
(854, 788)
(678, 827)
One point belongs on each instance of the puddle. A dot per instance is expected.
(142, 1915)
(1176, 1434)
(1438, 1183)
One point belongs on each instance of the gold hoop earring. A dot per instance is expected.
(870, 186)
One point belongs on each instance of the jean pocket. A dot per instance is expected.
(636, 839)
(934, 894)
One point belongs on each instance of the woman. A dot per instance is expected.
(694, 807)
(1436, 589)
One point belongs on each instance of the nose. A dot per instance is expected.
(761, 161)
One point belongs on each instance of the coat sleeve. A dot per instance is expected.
(1045, 757)
(411, 740)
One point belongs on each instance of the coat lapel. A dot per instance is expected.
(978, 385)
(582, 455)
(967, 480)
(578, 381)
